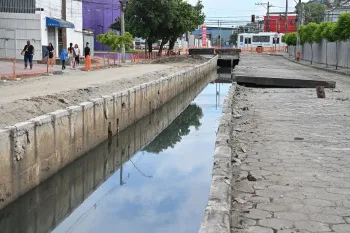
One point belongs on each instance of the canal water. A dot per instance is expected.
(154, 176)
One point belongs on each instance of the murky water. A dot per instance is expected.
(153, 177)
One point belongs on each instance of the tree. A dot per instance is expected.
(148, 18)
(342, 29)
(114, 41)
(291, 39)
(179, 128)
(233, 39)
(187, 18)
(307, 35)
(313, 12)
(117, 26)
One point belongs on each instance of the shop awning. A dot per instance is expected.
(59, 23)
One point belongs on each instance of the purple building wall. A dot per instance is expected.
(98, 15)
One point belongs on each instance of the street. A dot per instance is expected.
(294, 176)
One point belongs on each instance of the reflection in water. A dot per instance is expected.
(115, 188)
(176, 130)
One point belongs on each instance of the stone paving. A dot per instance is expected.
(291, 158)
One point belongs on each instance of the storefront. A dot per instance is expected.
(55, 33)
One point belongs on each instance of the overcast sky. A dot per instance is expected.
(237, 11)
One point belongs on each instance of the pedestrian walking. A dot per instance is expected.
(77, 54)
(28, 53)
(63, 58)
(71, 56)
(51, 49)
(87, 57)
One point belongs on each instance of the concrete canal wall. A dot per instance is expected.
(32, 151)
(68, 188)
(217, 217)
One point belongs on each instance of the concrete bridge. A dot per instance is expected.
(228, 57)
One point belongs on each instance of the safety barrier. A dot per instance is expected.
(263, 49)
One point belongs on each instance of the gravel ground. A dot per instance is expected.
(292, 150)
(29, 98)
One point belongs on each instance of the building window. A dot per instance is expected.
(276, 41)
(265, 39)
(17, 6)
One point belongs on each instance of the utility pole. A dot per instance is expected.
(267, 6)
(286, 27)
(123, 4)
(64, 30)
(268, 17)
(299, 17)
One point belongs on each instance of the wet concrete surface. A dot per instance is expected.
(153, 177)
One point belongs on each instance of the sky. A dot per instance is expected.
(238, 12)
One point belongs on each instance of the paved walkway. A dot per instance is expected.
(295, 175)
(72, 80)
(6, 68)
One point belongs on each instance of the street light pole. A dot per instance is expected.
(286, 27)
(298, 25)
(123, 5)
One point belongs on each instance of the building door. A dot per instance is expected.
(51, 36)
(60, 40)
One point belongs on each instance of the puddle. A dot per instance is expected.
(153, 177)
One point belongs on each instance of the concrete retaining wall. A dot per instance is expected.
(217, 213)
(68, 188)
(325, 53)
(32, 151)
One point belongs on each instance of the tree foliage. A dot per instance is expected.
(116, 25)
(313, 12)
(114, 41)
(307, 33)
(186, 18)
(342, 29)
(164, 20)
(318, 33)
(290, 39)
(233, 39)
(328, 32)
(179, 128)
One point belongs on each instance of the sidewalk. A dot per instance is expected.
(7, 68)
(292, 167)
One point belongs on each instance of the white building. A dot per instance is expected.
(42, 22)
(332, 15)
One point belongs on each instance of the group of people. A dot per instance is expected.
(72, 54)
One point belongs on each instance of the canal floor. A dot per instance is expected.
(164, 187)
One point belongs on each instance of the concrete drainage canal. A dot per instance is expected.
(154, 176)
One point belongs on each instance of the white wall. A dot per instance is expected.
(52, 9)
(27, 28)
(75, 16)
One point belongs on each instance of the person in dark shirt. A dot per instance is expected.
(28, 53)
(87, 57)
(51, 49)
(87, 50)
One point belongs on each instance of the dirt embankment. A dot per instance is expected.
(27, 99)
